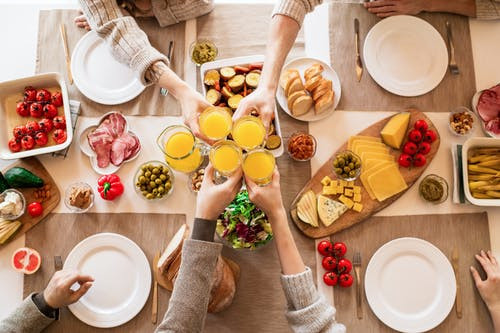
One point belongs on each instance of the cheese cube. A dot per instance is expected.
(357, 197)
(357, 189)
(334, 182)
(394, 131)
(357, 207)
(326, 181)
(350, 183)
(343, 183)
(329, 190)
(346, 201)
(348, 192)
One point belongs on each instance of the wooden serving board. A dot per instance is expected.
(370, 206)
(33, 164)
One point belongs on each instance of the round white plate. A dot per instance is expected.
(405, 55)
(474, 102)
(301, 64)
(122, 279)
(410, 285)
(99, 76)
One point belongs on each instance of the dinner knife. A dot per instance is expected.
(458, 299)
(170, 53)
(154, 311)
(359, 64)
(64, 38)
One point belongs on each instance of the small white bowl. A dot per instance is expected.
(23, 201)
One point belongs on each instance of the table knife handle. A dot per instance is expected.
(154, 314)
(359, 309)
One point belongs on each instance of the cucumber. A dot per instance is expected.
(20, 177)
(3, 183)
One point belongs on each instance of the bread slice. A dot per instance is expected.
(293, 97)
(319, 92)
(287, 75)
(324, 103)
(329, 210)
(296, 85)
(173, 248)
(302, 105)
(306, 209)
(313, 83)
(315, 69)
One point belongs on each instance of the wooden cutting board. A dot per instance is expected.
(33, 164)
(370, 206)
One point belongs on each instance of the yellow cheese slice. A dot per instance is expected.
(361, 137)
(307, 212)
(386, 182)
(379, 156)
(310, 204)
(364, 175)
(362, 148)
(358, 142)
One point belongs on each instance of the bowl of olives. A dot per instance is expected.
(347, 165)
(154, 180)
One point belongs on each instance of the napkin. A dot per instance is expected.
(458, 181)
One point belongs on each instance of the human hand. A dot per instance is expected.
(385, 8)
(489, 289)
(58, 293)
(81, 22)
(261, 100)
(192, 104)
(267, 198)
(213, 198)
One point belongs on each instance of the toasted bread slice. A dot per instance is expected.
(296, 85)
(302, 105)
(318, 93)
(312, 71)
(324, 103)
(288, 75)
(293, 97)
(313, 83)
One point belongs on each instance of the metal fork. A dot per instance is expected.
(356, 262)
(453, 64)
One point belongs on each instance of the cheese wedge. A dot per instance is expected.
(386, 182)
(306, 208)
(394, 131)
(329, 210)
(361, 137)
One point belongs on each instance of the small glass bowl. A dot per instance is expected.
(358, 171)
(189, 182)
(23, 202)
(202, 41)
(443, 183)
(293, 136)
(136, 176)
(462, 109)
(67, 194)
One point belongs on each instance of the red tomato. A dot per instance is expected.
(29, 94)
(345, 280)
(27, 142)
(430, 136)
(23, 109)
(410, 148)
(49, 111)
(20, 131)
(41, 138)
(344, 266)
(46, 125)
(14, 145)
(59, 136)
(339, 249)
(43, 95)
(59, 122)
(419, 160)
(415, 136)
(329, 263)
(421, 125)
(330, 279)
(36, 110)
(57, 99)
(35, 209)
(325, 248)
(424, 148)
(404, 160)
(32, 127)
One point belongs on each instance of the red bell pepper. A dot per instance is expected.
(109, 187)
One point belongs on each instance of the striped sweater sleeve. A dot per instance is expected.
(127, 42)
(487, 9)
(296, 9)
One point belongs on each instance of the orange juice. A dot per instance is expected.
(215, 123)
(182, 154)
(225, 156)
(249, 132)
(258, 165)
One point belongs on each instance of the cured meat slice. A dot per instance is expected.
(488, 105)
(493, 126)
(124, 148)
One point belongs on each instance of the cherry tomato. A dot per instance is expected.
(59, 136)
(23, 109)
(57, 99)
(35, 209)
(14, 145)
(41, 138)
(344, 266)
(410, 148)
(27, 142)
(339, 250)
(404, 160)
(430, 136)
(345, 280)
(36, 110)
(32, 127)
(329, 263)
(325, 248)
(46, 125)
(43, 95)
(59, 122)
(419, 160)
(415, 136)
(20, 131)
(330, 278)
(29, 94)
(49, 111)
(421, 125)
(424, 148)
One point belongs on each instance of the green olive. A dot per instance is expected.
(338, 171)
(144, 193)
(153, 177)
(149, 188)
(154, 191)
(156, 171)
(144, 168)
(347, 169)
(138, 184)
(351, 165)
(161, 189)
(147, 174)
(341, 162)
(152, 184)
(163, 177)
(168, 186)
(158, 181)
(142, 179)
(143, 187)
(149, 196)
(358, 165)
(352, 174)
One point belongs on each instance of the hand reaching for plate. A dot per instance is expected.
(81, 22)
(489, 289)
(385, 8)
(58, 293)
(261, 100)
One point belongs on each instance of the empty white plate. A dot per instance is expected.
(405, 55)
(99, 76)
(410, 285)
(122, 279)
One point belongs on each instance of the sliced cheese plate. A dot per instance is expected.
(370, 206)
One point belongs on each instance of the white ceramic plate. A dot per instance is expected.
(122, 279)
(301, 64)
(99, 76)
(405, 55)
(474, 102)
(410, 285)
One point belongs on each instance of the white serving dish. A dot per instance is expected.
(475, 100)
(87, 150)
(8, 112)
(239, 61)
(469, 144)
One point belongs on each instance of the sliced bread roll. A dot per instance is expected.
(222, 293)
(324, 103)
(296, 85)
(288, 75)
(302, 105)
(315, 69)
(318, 93)
(313, 83)
(293, 97)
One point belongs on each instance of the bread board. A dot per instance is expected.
(370, 206)
(33, 164)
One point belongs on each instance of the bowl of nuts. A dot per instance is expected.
(461, 121)
(196, 178)
(153, 181)
(347, 165)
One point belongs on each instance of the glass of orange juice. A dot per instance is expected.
(226, 157)
(215, 122)
(183, 152)
(249, 132)
(258, 165)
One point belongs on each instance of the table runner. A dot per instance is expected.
(468, 232)
(453, 91)
(59, 233)
(50, 58)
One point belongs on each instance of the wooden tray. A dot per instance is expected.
(370, 206)
(33, 164)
